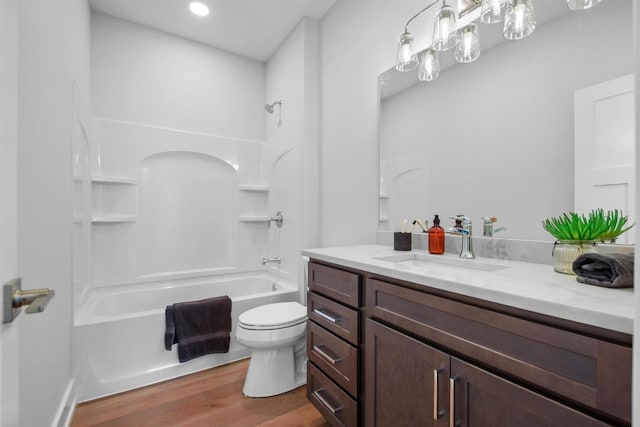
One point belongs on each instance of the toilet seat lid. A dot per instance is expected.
(280, 315)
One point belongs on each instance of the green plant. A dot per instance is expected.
(572, 226)
(615, 224)
(596, 226)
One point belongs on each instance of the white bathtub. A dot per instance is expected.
(119, 335)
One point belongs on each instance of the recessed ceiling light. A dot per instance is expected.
(198, 8)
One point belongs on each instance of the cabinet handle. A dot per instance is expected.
(325, 403)
(452, 405)
(326, 316)
(325, 356)
(436, 415)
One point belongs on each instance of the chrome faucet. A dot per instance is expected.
(463, 228)
(487, 226)
(278, 219)
(276, 260)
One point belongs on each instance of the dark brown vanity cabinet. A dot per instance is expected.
(333, 371)
(406, 380)
(435, 361)
(410, 383)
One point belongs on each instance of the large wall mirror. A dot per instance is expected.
(495, 137)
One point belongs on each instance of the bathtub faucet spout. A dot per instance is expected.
(277, 260)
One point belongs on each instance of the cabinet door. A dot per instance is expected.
(406, 381)
(482, 399)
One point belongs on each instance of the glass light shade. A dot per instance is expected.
(581, 4)
(445, 32)
(429, 66)
(520, 21)
(406, 60)
(468, 48)
(494, 11)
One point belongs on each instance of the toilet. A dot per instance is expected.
(276, 336)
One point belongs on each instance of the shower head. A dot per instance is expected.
(270, 107)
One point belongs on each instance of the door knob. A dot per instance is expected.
(15, 298)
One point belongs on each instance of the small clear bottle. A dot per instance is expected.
(436, 237)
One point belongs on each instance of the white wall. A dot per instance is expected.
(497, 135)
(358, 42)
(293, 146)
(53, 52)
(193, 201)
(151, 77)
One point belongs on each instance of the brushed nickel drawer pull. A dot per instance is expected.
(326, 316)
(452, 405)
(436, 415)
(325, 356)
(325, 403)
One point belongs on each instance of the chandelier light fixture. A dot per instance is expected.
(407, 60)
(494, 11)
(468, 48)
(519, 22)
(445, 33)
(429, 66)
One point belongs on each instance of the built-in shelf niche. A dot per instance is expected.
(113, 180)
(254, 188)
(248, 218)
(114, 199)
(252, 203)
(383, 211)
(112, 219)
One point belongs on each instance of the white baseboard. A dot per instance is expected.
(65, 411)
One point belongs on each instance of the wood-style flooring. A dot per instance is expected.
(208, 398)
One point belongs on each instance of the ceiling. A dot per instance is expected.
(252, 28)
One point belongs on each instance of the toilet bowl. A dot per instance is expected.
(276, 336)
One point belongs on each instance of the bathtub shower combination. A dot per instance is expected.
(164, 216)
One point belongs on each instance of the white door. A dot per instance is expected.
(8, 222)
(605, 149)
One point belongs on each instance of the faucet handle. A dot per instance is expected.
(278, 219)
(489, 220)
(462, 218)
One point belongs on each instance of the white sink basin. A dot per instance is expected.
(412, 259)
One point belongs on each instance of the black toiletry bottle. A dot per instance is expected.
(436, 237)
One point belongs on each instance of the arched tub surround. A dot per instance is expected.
(168, 204)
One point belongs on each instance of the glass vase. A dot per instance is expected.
(565, 253)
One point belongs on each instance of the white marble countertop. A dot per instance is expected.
(533, 287)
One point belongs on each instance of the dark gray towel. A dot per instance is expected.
(170, 328)
(199, 327)
(611, 271)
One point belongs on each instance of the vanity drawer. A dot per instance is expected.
(585, 370)
(334, 404)
(334, 283)
(337, 318)
(336, 358)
